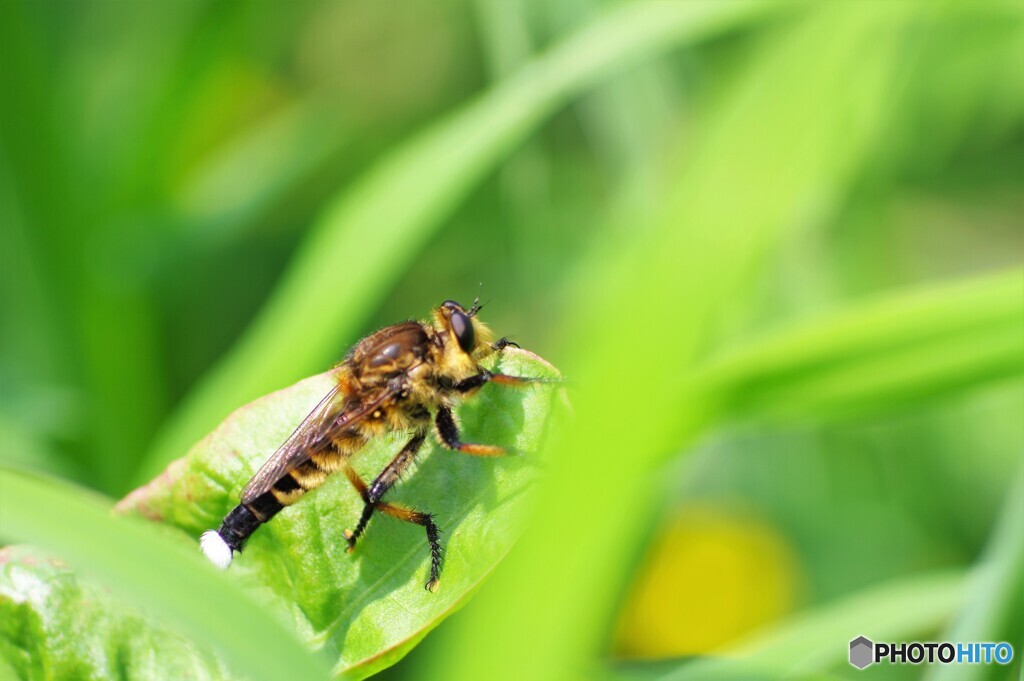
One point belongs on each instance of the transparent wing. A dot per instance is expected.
(325, 420)
(295, 449)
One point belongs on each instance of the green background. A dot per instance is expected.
(776, 249)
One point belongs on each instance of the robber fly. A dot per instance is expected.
(401, 378)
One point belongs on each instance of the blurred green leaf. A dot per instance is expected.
(275, 157)
(368, 608)
(903, 348)
(652, 299)
(994, 610)
(373, 229)
(135, 561)
(45, 610)
(725, 671)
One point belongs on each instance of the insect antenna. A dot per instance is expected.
(477, 306)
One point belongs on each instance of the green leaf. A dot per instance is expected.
(903, 348)
(368, 608)
(994, 610)
(44, 605)
(156, 569)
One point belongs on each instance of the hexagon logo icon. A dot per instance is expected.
(861, 652)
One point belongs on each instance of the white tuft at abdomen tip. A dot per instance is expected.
(216, 549)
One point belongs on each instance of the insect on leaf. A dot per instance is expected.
(369, 606)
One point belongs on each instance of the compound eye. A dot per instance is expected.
(451, 305)
(462, 327)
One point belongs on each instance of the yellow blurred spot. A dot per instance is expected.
(711, 575)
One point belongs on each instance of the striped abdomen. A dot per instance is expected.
(260, 506)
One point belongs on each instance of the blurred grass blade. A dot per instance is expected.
(274, 158)
(372, 230)
(167, 581)
(902, 348)
(994, 610)
(819, 640)
(653, 298)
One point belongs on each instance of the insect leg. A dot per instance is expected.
(379, 487)
(364, 492)
(477, 380)
(356, 480)
(448, 434)
(426, 520)
(503, 343)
